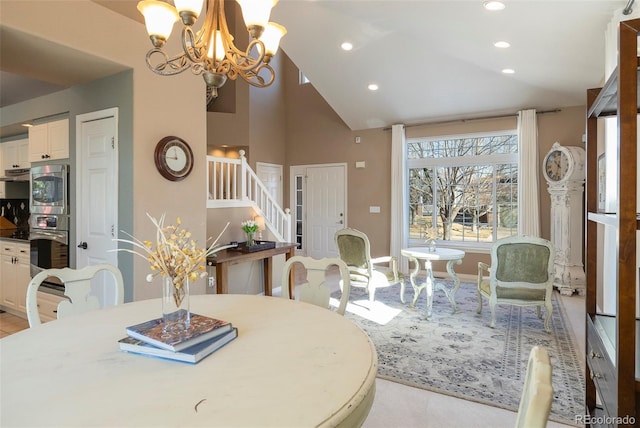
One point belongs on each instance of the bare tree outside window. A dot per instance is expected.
(463, 188)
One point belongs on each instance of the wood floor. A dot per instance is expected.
(10, 324)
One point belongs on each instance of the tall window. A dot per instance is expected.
(463, 188)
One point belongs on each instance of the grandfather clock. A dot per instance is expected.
(563, 168)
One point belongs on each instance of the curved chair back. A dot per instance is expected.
(537, 393)
(523, 260)
(315, 289)
(355, 250)
(521, 273)
(77, 284)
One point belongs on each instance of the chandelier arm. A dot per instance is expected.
(254, 78)
(168, 66)
(192, 45)
(231, 51)
(243, 60)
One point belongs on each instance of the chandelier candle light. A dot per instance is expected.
(210, 51)
(177, 260)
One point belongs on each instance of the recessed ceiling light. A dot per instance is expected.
(508, 71)
(502, 44)
(346, 46)
(372, 87)
(493, 5)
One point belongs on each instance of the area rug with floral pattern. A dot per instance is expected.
(460, 355)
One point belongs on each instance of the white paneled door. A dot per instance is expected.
(97, 193)
(325, 203)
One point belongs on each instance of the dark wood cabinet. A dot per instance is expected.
(613, 388)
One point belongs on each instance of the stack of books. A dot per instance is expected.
(204, 336)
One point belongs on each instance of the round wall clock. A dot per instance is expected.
(174, 158)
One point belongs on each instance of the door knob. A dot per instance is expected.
(83, 245)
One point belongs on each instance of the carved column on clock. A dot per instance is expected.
(566, 235)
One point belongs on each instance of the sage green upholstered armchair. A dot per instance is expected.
(521, 273)
(355, 250)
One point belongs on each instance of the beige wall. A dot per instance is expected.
(315, 134)
(162, 106)
(302, 130)
(257, 120)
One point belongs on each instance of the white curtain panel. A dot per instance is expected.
(399, 196)
(528, 196)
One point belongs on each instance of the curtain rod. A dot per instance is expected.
(472, 119)
(628, 8)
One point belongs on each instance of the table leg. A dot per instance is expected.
(292, 274)
(412, 278)
(451, 292)
(222, 278)
(268, 273)
(429, 286)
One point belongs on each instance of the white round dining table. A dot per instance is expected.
(292, 365)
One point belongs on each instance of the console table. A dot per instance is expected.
(449, 255)
(226, 258)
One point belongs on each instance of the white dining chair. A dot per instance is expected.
(537, 393)
(315, 288)
(77, 287)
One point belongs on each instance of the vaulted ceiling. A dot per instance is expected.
(432, 60)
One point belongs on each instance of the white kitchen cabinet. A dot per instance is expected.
(48, 306)
(49, 141)
(15, 154)
(14, 275)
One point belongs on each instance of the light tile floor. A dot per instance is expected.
(401, 406)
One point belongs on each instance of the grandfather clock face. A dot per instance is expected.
(556, 165)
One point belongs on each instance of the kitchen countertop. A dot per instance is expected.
(8, 235)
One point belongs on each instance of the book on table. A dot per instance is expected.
(192, 354)
(202, 328)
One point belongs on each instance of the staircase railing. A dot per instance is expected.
(232, 183)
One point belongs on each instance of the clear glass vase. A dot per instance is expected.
(250, 240)
(176, 316)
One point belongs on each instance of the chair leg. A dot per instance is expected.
(492, 306)
(547, 318)
(479, 310)
(539, 311)
(372, 293)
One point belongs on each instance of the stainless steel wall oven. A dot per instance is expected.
(49, 220)
(49, 244)
(48, 189)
